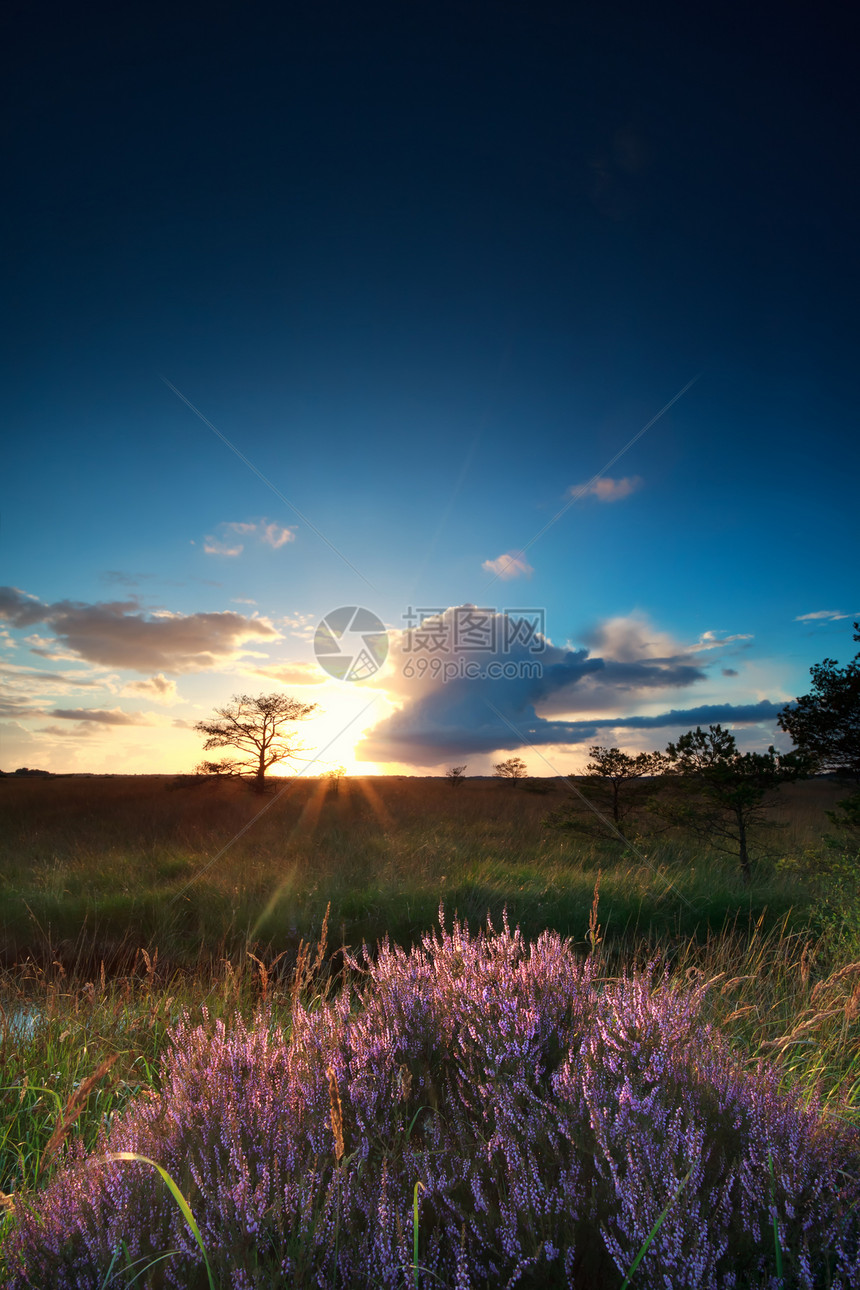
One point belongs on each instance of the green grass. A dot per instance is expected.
(93, 869)
(95, 872)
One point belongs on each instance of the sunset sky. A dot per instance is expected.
(339, 305)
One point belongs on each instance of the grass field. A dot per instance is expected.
(95, 869)
(124, 901)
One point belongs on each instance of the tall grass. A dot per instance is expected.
(90, 870)
(113, 923)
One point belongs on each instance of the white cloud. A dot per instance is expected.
(512, 564)
(39, 642)
(832, 615)
(302, 626)
(14, 730)
(629, 637)
(47, 647)
(274, 535)
(266, 532)
(212, 546)
(290, 673)
(711, 640)
(158, 688)
(606, 489)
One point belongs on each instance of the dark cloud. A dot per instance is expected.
(729, 671)
(708, 714)
(20, 687)
(80, 731)
(427, 733)
(35, 679)
(102, 716)
(20, 609)
(12, 706)
(442, 719)
(118, 634)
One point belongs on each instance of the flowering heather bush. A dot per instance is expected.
(548, 1116)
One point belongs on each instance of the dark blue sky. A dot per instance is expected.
(429, 267)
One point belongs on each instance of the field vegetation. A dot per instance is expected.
(134, 912)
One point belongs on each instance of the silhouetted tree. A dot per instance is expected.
(721, 794)
(255, 728)
(513, 769)
(847, 818)
(616, 783)
(334, 776)
(825, 724)
(456, 775)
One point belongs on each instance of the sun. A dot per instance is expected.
(347, 711)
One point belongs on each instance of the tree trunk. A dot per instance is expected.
(745, 859)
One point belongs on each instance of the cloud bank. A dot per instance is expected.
(118, 634)
(101, 716)
(625, 664)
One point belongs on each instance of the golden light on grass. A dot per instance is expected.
(73, 1109)
(303, 830)
(336, 1114)
(375, 802)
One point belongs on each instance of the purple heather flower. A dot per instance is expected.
(549, 1118)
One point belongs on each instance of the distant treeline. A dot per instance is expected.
(31, 773)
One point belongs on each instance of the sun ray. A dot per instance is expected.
(302, 831)
(375, 802)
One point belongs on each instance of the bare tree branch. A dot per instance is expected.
(255, 727)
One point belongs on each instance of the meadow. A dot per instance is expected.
(137, 917)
